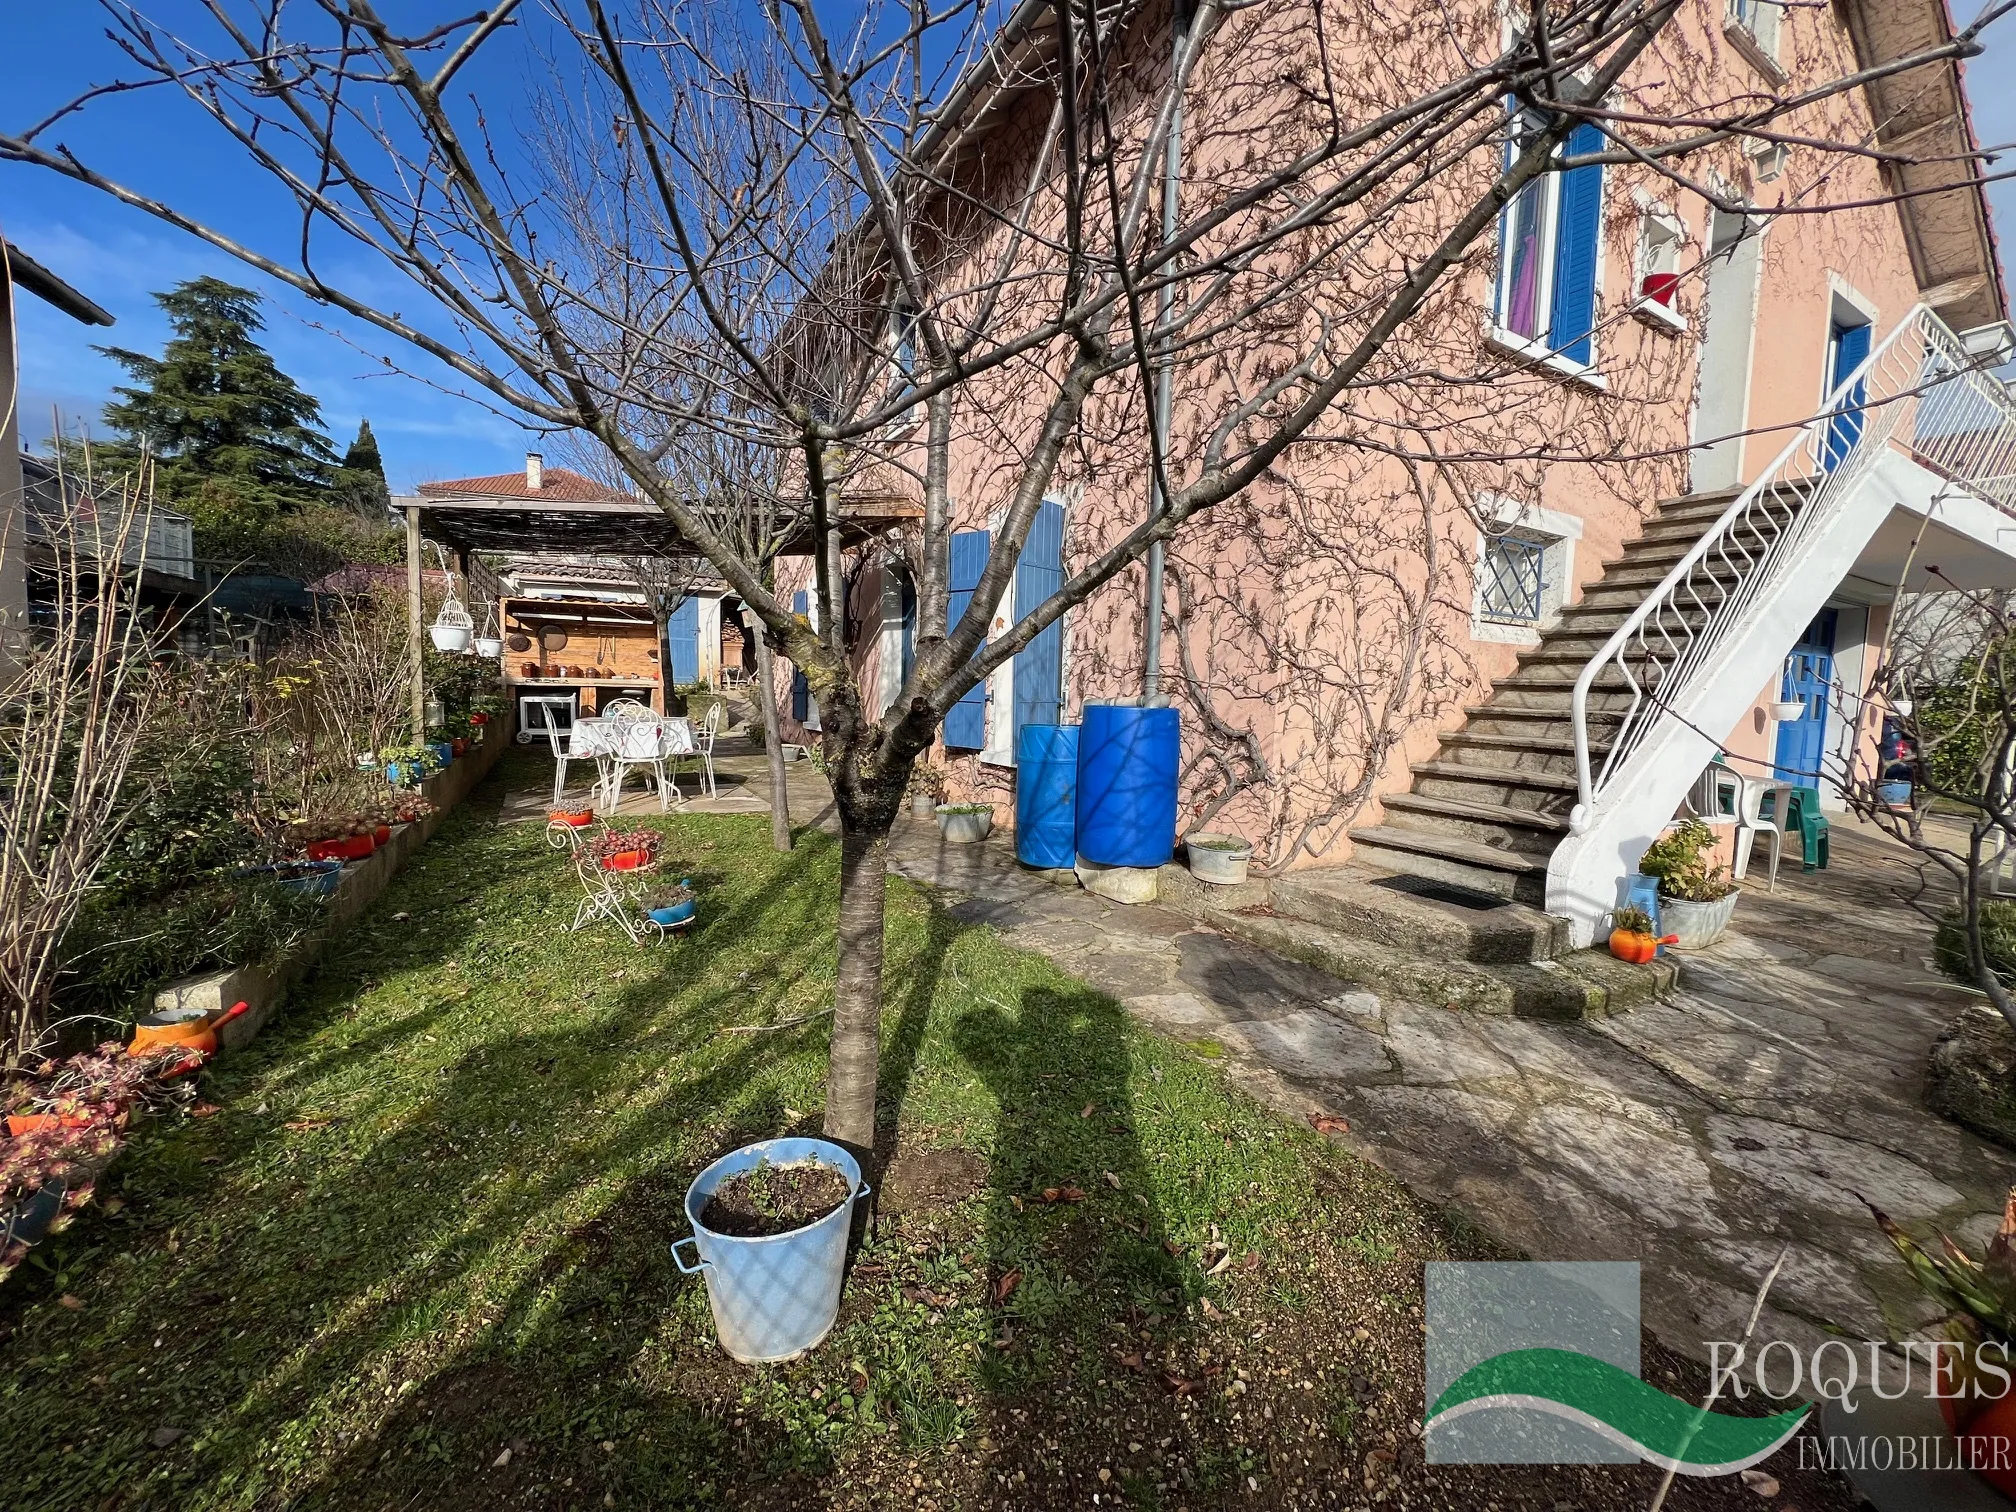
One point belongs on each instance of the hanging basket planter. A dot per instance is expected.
(452, 627)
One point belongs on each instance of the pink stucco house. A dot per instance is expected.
(1705, 475)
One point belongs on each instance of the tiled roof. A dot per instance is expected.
(363, 577)
(556, 483)
(576, 568)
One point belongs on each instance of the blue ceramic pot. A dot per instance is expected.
(678, 913)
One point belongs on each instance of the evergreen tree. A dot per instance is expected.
(237, 442)
(360, 482)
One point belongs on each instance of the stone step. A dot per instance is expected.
(1512, 786)
(1499, 825)
(1523, 752)
(1451, 858)
(1575, 986)
(1437, 919)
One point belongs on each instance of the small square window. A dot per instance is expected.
(1660, 238)
(1512, 581)
(1753, 27)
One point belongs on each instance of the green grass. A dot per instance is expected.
(429, 1225)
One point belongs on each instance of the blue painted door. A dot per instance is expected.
(1809, 676)
(966, 720)
(682, 642)
(1039, 666)
(1847, 349)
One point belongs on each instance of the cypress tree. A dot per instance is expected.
(360, 482)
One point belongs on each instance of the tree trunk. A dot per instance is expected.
(766, 704)
(857, 987)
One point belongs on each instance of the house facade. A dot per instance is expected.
(1505, 674)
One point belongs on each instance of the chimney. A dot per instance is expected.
(534, 478)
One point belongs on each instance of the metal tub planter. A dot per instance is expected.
(774, 1297)
(1693, 925)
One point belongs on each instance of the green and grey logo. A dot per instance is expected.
(1537, 1363)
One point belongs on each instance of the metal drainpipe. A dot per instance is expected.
(1172, 183)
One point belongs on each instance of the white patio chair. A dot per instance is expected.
(560, 741)
(703, 748)
(639, 743)
(1752, 821)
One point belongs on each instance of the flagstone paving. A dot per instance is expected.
(1751, 1112)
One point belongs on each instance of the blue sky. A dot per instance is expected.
(119, 257)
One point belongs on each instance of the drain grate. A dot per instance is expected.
(1443, 892)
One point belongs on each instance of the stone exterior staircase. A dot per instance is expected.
(1486, 812)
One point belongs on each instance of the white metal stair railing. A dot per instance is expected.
(1920, 391)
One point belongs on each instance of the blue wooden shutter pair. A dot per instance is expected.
(966, 720)
(801, 690)
(1578, 241)
(1039, 666)
(682, 642)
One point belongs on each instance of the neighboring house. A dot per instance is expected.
(170, 592)
(22, 272)
(1376, 669)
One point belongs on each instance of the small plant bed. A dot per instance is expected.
(420, 1257)
(774, 1199)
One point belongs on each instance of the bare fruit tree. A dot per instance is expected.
(962, 258)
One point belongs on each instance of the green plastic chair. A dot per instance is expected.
(1811, 826)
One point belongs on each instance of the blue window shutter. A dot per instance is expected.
(801, 690)
(1851, 350)
(1039, 666)
(1578, 242)
(966, 721)
(682, 638)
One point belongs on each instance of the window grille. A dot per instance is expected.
(1514, 575)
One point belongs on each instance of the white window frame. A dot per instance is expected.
(1755, 28)
(1556, 533)
(999, 737)
(1539, 353)
(889, 659)
(1661, 234)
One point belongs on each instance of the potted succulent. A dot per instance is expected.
(625, 850)
(671, 907)
(927, 790)
(770, 1224)
(1634, 937)
(571, 818)
(965, 823)
(1696, 899)
(45, 1176)
(1222, 859)
(1979, 1299)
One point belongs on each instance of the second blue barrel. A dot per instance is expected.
(1127, 766)
(1046, 795)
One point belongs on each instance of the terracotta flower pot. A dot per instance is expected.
(349, 848)
(461, 746)
(1629, 945)
(382, 834)
(626, 860)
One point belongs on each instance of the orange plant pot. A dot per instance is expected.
(572, 818)
(627, 861)
(1986, 1428)
(349, 848)
(1628, 945)
(27, 1123)
(382, 834)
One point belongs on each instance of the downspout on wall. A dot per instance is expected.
(1172, 185)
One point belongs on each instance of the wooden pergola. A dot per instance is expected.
(467, 518)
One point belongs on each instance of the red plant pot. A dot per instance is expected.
(460, 745)
(479, 718)
(574, 819)
(349, 848)
(1628, 945)
(1659, 287)
(630, 860)
(382, 834)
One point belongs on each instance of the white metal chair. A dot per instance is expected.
(559, 739)
(1717, 795)
(639, 743)
(703, 748)
(1752, 821)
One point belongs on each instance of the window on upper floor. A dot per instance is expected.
(1660, 238)
(1753, 26)
(1549, 248)
(903, 350)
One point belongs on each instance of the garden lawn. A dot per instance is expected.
(418, 1255)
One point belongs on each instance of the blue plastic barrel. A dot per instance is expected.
(1127, 763)
(1046, 795)
(775, 1297)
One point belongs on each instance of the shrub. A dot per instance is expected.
(1679, 859)
(1998, 942)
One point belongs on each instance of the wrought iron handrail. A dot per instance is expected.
(1921, 392)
